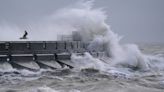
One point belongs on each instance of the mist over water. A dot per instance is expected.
(90, 24)
(91, 27)
(119, 59)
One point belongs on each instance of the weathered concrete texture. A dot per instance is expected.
(40, 47)
(3, 58)
(49, 64)
(31, 65)
(47, 61)
(22, 57)
(44, 57)
(2, 46)
(36, 61)
(41, 54)
(65, 59)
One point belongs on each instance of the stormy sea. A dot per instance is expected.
(122, 79)
(122, 67)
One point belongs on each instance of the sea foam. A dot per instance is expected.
(90, 24)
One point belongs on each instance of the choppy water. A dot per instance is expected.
(86, 80)
(125, 69)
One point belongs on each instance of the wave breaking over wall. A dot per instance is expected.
(91, 26)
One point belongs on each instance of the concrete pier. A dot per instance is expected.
(34, 55)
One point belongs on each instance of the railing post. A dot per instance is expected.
(44, 45)
(7, 45)
(28, 45)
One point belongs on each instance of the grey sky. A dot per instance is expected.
(136, 20)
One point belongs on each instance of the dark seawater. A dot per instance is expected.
(86, 80)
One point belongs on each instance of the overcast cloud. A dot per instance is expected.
(136, 20)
